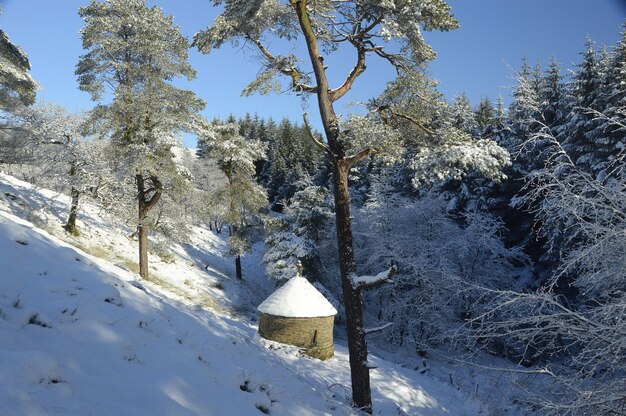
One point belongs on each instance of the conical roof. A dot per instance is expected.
(297, 299)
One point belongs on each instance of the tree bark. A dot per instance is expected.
(144, 204)
(238, 268)
(361, 391)
(357, 346)
(143, 242)
(70, 226)
(142, 232)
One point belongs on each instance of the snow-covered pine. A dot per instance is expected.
(485, 114)
(17, 87)
(242, 197)
(436, 148)
(462, 115)
(298, 234)
(132, 55)
(291, 158)
(17, 90)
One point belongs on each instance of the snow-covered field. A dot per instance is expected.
(80, 335)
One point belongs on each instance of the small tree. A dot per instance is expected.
(241, 195)
(61, 154)
(133, 53)
(297, 235)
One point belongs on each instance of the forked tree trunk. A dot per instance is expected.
(144, 204)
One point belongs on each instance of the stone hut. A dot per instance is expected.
(298, 314)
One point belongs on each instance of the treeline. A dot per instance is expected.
(292, 157)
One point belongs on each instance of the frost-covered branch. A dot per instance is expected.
(368, 282)
(377, 328)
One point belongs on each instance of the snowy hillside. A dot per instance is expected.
(79, 335)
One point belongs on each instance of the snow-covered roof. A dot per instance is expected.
(297, 299)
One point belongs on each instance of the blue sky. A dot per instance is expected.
(478, 58)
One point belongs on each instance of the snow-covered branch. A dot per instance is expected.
(367, 282)
(377, 328)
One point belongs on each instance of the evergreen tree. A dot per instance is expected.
(297, 236)
(554, 103)
(133, 54)
(16, 85)
(485, 115)
(241, 196)
(578, 133)
(462, 116)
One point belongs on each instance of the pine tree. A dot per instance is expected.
(578, 137)
(609, 140)
(485, 115)
(554, 104)
(241, 196)
(133, 54)
(321, 26)
(297, 236)
(16, 85)
(462, 116)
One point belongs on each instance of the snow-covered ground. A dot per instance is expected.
(80, 335)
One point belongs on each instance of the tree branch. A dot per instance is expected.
(377, 329)
(381, 109)
(356, 158)
(358, 69)
(314, 139)
(290, 72)
(158, 189)
(368, 282)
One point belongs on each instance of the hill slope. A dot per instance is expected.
(81, 336)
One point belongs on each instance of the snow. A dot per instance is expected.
(297, 299)
(361, 281)
(377, 328)
(80, 335)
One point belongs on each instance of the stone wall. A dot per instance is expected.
(315, 335)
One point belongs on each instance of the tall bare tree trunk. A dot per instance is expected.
(70, 226)
(144, 204)
(238, 268)
(238, 274)
(357, 346)
(361, 391)
(142, 232)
